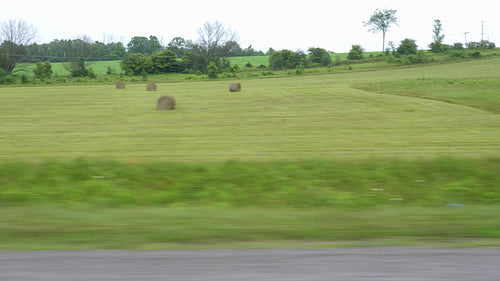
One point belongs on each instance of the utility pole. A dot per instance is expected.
(482, 30)
(466, 47)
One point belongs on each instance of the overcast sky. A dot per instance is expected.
(293, 25)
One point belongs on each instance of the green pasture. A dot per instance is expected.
(101, 67)
(298, 117)
(405, 155)
(59, 68)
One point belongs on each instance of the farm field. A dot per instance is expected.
(286, 160)
(318, 116)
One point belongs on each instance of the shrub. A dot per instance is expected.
(457, 54)
(356, 53)
(6, 78)
(135, 64)
(164, 62)
(212, 70)
(43, 70)
(286, 59)
(483, 44)
(319, 56)
(77, 67)
(457, 46)
(91, 74)
(299, 70)
(393, 59)
(24, 79)
(475, 54)
(407, 47)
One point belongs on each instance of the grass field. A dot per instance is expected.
(101, 67)
(404, 155)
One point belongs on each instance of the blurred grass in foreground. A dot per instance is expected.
(313, 183)
(97, 204)
(48, 227)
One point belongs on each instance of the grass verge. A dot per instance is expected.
(96, 204)
(297, 184)
(44, 227)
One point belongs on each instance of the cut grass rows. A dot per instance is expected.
(312, 116)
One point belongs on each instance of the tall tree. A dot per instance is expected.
(319, 56)
(437, 46)
(165, 61)
(211, 46)
(178, 46)
(381, 21)
(407, 47)
(15, 35)
(213, 37)
(143, 45)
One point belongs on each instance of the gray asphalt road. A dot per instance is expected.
(394, 263)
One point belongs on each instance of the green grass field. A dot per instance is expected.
(404, 155)
(101, 67)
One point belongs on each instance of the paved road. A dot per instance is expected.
(346, 264)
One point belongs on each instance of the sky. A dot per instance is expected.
(293, 25)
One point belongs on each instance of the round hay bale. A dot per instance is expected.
(120, 85)
(165, 102)
(235, 87)
(151, 86)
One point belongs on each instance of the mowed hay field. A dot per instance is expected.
(297, 117)
(386, 157)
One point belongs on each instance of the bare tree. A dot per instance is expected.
(14, 36)
(213, 36)
(18, 32)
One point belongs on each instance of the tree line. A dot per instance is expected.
(208, 54)
(66, 50)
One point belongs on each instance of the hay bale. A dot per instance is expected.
(120, 85)
(151, 86)
(165, 102)
(235, 87)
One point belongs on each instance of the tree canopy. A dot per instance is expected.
(437, 46)
(381, 21)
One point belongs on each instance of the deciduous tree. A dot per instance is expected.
(381, 21)
(437, 46)
(212, 45)
(143, 45)
(286, 59)
(15, 35)
(319, 56)
(407, 47)
(178, 45)
(43, 70)
(356, 53)
(165, 62)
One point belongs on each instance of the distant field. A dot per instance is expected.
(255, 61)
(407, 155)
(101, 67)
(474, 92)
